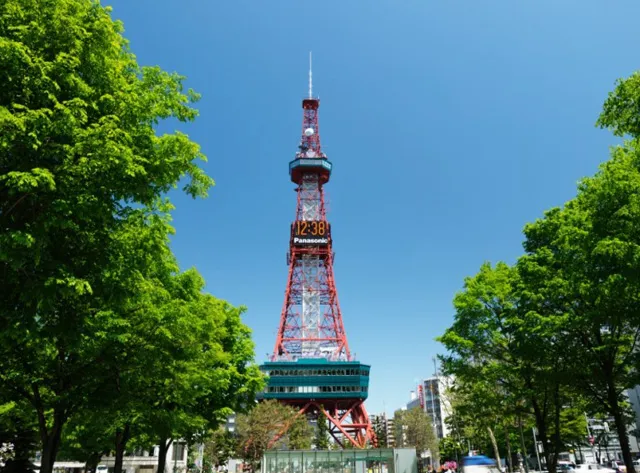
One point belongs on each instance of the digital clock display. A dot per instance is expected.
(310, 233)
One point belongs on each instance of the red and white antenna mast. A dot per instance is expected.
(311, 322)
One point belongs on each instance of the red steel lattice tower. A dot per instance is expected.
(311, 366)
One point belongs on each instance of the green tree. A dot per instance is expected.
(219, 448)
(87, 438)
(344, 444)
(134, 337)
(18, 429)
(267, 421)
(505, 355)
(181, 362)
(380, 429)
(198, 368)
(321, 440)
(620, 112)
(79, 157)
(479, 406)
(450, 449)
(414, 429)
(582, 261)
(573, 425)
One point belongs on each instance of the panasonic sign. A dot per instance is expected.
(310, 241)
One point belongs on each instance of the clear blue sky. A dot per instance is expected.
(450, 123)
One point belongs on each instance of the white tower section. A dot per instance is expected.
(311, 266)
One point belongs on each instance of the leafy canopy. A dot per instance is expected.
(82, 213)
(414, 429)
(264, 422)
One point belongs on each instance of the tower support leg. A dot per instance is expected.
(348, 422)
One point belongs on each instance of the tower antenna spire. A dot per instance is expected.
(310, 77)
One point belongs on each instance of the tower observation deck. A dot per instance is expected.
(311, 367)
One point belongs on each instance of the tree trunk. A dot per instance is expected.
(557, 441)
(92, 462)
(435, 453)
(621, 427)
(523, 446)
(542, 432)
(495, 447)
(50, 441)
(122, 437)
(162, 454)
(599, 455)
(509, 456)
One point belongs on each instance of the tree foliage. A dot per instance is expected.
(584, 259)
(321, 439)
(620, 113)
(380, 429)
(87, 437)
(414, 429)
(509, 362)
(450, 449)
(204, 372)
(556, 334)
(184, 364)
(18, 434)
(497, 360)
(95, 313)
(219, 447)
(265, 422)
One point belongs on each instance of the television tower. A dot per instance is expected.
(311, 367)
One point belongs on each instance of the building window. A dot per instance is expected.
(315, 389)
(178, 451)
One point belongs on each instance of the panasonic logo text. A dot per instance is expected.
(311, 241)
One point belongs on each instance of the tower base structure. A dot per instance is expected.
(348, 421)
(334, 389)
